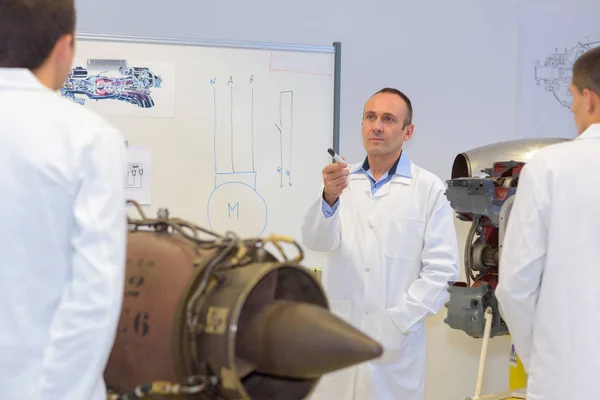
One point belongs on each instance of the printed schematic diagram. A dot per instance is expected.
(556, 71)
(138, 176)
(285, 128)
(115, 80)
(235, 203)
(135, 176)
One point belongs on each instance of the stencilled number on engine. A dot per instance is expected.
(124, 321)
(141, 324)
(134, 283)
(139, 263)
(138, 323)
(139, 268)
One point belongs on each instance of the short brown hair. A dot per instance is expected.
(586, 71)
(409, 113)
(29, 30)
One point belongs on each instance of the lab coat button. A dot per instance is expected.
(367, 269)
(370, 226)
(366, 312)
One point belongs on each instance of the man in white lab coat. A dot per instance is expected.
(63, 223)
(549, 267)
(390, 233)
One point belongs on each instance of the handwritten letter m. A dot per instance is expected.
(235, 208)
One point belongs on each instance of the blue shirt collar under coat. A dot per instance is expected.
(401, 167)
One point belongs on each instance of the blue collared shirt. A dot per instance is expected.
(401, 167)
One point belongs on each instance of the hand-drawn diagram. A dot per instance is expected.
(235, 204)
(135, 176)
(556, 71)
(132, 86)
(285, 127)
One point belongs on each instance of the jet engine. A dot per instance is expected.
(481, 191)
(211, 316)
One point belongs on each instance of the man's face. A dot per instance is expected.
(383, 130)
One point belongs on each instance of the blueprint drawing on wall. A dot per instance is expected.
(122, 87)
(555, 71)
(552, 37)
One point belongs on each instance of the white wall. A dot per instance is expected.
(457, 62)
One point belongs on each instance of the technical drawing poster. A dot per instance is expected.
(122, 87)
(551, 38)
(139, 174)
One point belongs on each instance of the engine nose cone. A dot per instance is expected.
(303, 341)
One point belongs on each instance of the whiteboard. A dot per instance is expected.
(230, 136)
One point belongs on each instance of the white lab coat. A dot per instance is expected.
(391, 257)
(550, 270)
(62, 243)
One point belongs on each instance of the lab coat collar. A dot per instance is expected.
(401, 167)
(592, 131)
(20, 79)
(401, 172)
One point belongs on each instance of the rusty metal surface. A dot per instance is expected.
(159, 267)
(225, 318)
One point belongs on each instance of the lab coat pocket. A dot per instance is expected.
(391, 338)
(403, 237)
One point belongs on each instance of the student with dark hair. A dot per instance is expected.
(63, 220)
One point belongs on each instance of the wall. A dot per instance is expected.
(457, 63)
